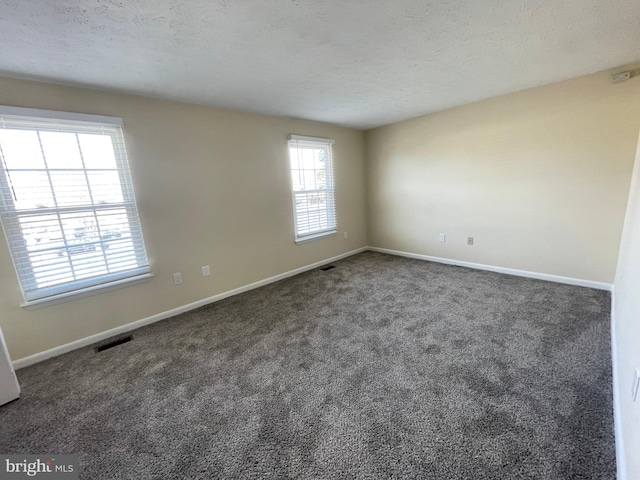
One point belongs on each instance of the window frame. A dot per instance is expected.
(48, 120)
(330, 190)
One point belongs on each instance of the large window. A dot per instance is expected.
(67, 203)
(313, 187)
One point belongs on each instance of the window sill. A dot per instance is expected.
(317, 236)
(85, 292)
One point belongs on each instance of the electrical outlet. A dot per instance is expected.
(442, 238)
(206, 270)
(469, 240)
(177, 278)
(345, 235)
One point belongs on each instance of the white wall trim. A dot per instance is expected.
(83, 342)
(508, 271)
(621, 462)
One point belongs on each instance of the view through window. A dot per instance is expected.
(313, 186)
(68, 208)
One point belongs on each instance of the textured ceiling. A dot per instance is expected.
(361, 63)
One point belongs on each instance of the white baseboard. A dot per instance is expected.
(621, 463)
(508, 271)
(83, 342)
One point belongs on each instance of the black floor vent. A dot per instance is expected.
(324, 269)
(115, 343)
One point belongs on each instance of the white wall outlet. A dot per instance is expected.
(469, 240)
(177, 278)
(442, 238)
(345, 235)
(206, 270)
(635, 385)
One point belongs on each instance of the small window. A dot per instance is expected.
(313, 188)
(68, 209)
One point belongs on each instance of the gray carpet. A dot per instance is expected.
(383, 367)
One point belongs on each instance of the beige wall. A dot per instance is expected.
(212, 188)
(626, 321)
(539, 178)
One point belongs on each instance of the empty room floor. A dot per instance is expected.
(382, 367)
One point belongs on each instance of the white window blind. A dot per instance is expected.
(68, 208)
(313, 188)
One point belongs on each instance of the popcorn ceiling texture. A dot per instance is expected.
(360, 63)
(383, 367)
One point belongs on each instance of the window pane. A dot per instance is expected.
(79, 228)
(113, 222)
(294, 158)
(61, 149)
(105, 186)
(312, 212)
(312, 185)
(307, 158)
(309, 168)
(41, 232)
(75, 246)
(70, 188)
(21, 149)
(68, 226)
(97, 151)
(30, 189)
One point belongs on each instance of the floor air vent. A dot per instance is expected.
(324, 269)
(115, 343)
